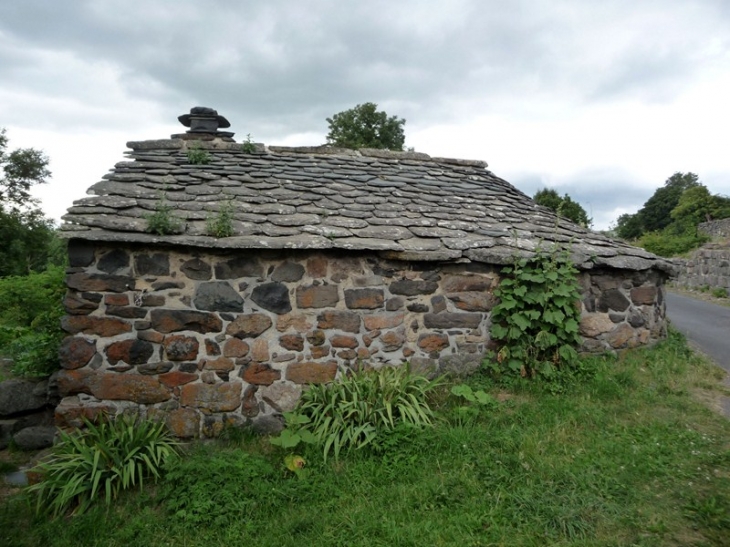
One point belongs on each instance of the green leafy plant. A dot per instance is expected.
(352, 413)
(197, 155)
(536, 320)
(249, 147)
(103, 459)
(221, 225)
(719, 292)
(162, 221)
(478, 400)
(30, 321)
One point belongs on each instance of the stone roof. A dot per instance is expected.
(404, 205)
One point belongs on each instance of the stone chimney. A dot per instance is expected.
(204, 123)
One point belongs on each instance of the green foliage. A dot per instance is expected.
(30, 321)
(479, 400)
(216, 487)
(668, 243)
(21, 169)
(719, 292)
(656, 213)
(536, 321)
(563, 206)
(249, 147)
(354, 411)
(221, 225)
(101, 460)
(162, 221)
(365, 127)
(197, 155)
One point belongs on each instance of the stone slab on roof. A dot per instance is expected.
(404, 205)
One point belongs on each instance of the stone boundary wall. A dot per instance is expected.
(715, 228)
(707, 267)
(209, 339)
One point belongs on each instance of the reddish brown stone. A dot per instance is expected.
(407, 352)
(473, 301)
(212, 348)
(319, 352)
(71, 382)
(221, 364)
(383, 321)
(249, 325)
(177, 378)
(219, 397)
(317, 267)
(116, 299)
(364, 299)
(181, 348)
(75, 304)
(167, 321)
(643, 296)
(145, 390)
(293, 342)
(235, 348)
(316, 338)
(466, 283)
(344, 341)
(260, 350)
(132, 352)
(311, 373)
(100, 282)
(317, 296)
(250, 406)
(151, 336)
(105, 327)
(184, 423)
(433, 342)
(153, 300)
(363, 353)
(76, 352)
(341, 320)
(347, 354)
(259, 374)
(620, 336)
(71, 412)
(393, 340)
(299, 322)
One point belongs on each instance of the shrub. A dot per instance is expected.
(221, 225)
(536, 321)
(198, 156)
(353, 412)
(162, 221)
(30, 320)
(102, 459)
(719, 292)
(666, 243)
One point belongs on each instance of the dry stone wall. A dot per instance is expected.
(706, 267)
(209, 339)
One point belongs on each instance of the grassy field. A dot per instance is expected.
(635, 456)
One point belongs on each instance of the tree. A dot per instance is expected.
(656, 214)
(628, 226)
(563, 206)
(28, 237)
(364, 127)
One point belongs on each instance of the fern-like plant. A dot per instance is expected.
(101, 460)
(162, 221)
(352, 413)
(197, 155)
(221, 225)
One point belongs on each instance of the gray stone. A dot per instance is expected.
(239, 267)
(447, 320)
(288, 272)
(80, 253)
(152, 264)
(273, 297)
(114, 262)
(268, 424)
(218, 296)
(35, 438)
(409, 287)
(18, 396)
(197, 269)
(613, 299)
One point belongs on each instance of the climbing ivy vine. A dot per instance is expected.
(536, 321)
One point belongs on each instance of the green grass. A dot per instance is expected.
(631, 457)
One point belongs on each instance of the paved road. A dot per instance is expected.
(705, 324)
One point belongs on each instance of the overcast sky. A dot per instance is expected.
(602, 99)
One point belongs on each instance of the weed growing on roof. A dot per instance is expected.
(536, 321)
(162, 221)
(248, 146)
(221, 225)
(197, 155)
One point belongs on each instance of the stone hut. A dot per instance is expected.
(337, 259)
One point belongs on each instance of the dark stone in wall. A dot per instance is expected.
(197, 269)
(127, 312)
(132, 352)
(394, 304)
(294, 342)
(438, 303)
(249, 326)
(417, 308)
(218, 296)
(364, 299)
(343, 320)
(100, 282)
(116, 261)
(181, 348)
(167, 321)
(89, 324)
(74, 304)
(152, 264)
(288, 272)
(150, 369)
(239, 267)
(613, 299)
(273, 297)
(76, 352)
(408, 287)
(80, 254)
(452, 320)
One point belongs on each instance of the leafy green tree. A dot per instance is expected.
(656, 214)
(365, 127)
(628, 226)
(563, 206)
(29, 240)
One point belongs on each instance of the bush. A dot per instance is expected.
(536, 320)
(162, 221)
(31, 308)
(103, 459)
(719, 292)
(353, 412)
(669, 244)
